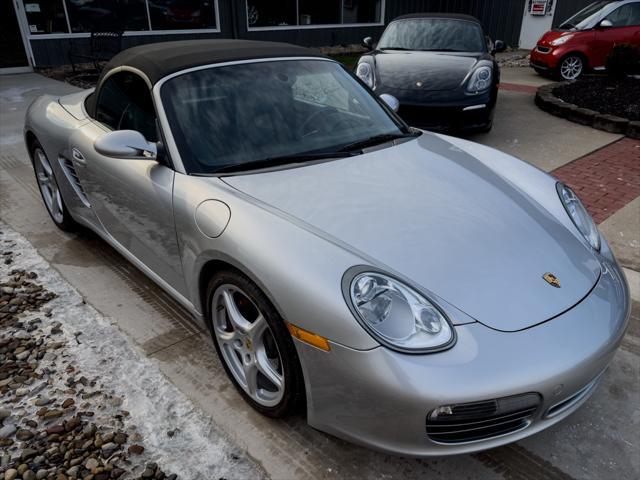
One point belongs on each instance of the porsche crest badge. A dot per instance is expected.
(551, 279)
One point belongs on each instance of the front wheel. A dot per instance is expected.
(254, 345)
(571, 67)
(48, 186)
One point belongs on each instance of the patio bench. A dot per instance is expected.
(102, 46)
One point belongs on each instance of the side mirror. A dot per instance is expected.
(499, 46)
(605, 24)
(367, 42)
(391, 101)
(125, 144)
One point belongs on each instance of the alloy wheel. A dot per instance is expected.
(48, 185)
(247, 345)
(571, 68)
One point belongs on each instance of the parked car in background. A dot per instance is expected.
(440, 69)
(584, 41)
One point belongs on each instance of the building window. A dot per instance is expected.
(86, 16)
(182, 14)
(311, 12)
(268, 13)
(301, 13)
(361, 11)
(107, 15)
(45, 16)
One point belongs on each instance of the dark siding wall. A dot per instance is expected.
(566, 8)
(501, 19)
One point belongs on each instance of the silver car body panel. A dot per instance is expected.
(446, 221)
(496, 224)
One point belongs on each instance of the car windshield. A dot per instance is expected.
(584, 17)
(250, 114)
(437, 34)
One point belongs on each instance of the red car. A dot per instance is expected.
(583, 42)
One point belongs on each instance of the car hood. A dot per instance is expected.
(439, 217)
(434, 70)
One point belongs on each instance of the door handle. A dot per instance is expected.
(78, 156)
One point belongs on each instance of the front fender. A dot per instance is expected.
(299, 271)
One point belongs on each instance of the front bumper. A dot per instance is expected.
(381, 399)
(545, 58)
(443, 112)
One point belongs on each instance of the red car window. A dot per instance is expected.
(625, 16)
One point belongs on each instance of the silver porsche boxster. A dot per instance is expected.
(416, 293)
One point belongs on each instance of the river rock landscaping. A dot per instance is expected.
(78, 402)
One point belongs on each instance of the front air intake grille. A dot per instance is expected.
(470, 422)
(542, 49)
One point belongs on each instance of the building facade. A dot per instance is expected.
(40, 33)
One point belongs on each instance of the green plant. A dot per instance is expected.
(623, 60)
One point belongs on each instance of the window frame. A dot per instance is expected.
(93, 115)
(126, 33)
(313, 27)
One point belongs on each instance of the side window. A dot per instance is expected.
(625, 16)
(124, 103)
(634, 19)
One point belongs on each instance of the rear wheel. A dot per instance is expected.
(571, 67)
(48, 186)
(254, 345)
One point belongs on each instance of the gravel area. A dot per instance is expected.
(513, 58)
(619, 97)
(78, 401)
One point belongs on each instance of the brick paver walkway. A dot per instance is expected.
(607, 179)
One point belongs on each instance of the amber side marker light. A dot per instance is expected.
(308, 337)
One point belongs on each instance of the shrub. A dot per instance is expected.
(623, 60)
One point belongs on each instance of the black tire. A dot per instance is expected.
(66, 223)
(293, 397)
(570, 56)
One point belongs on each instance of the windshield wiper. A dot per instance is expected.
(375, 140)
(394, 48)
(277, 161)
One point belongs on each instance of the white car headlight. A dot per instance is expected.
(480, 79)
(397, 315)
(365, 73)
(561, 40)
(579, 215)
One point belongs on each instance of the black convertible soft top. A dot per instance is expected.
(157, 60)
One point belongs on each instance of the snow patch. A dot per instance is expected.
(196, 449)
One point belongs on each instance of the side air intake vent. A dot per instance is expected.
(70, 171)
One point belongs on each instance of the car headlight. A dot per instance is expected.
(480, 79)
(579, 215)
(561, 40)
(397, 315)
(365, 73)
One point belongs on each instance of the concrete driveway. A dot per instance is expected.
(601, 440)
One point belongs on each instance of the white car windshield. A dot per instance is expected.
(255, 115)
(433, 34)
